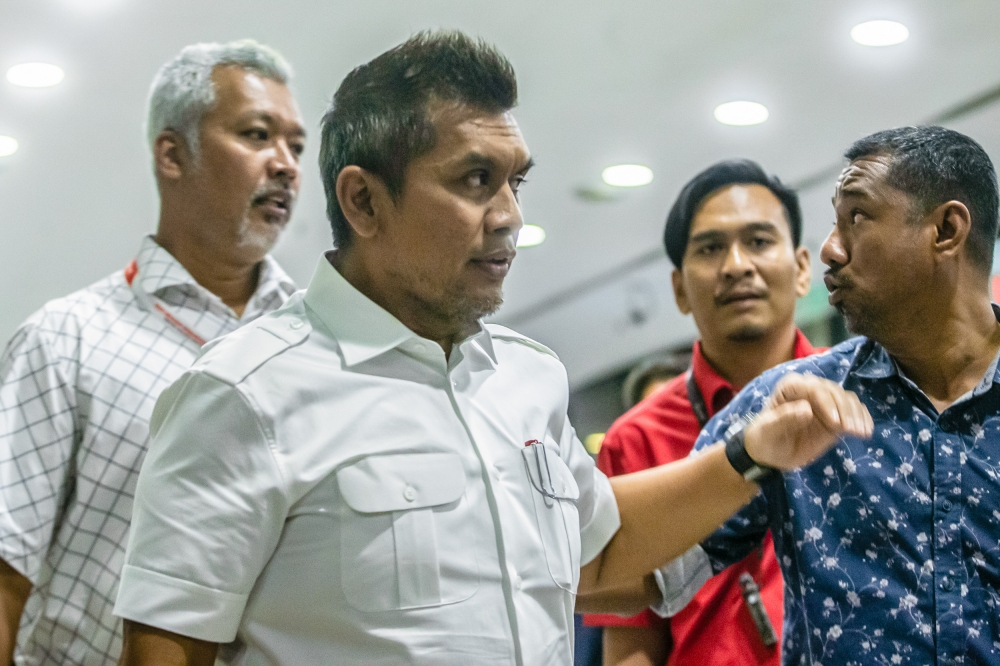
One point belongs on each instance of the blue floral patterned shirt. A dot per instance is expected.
(890, 547)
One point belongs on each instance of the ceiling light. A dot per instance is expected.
(530, 236)
(35, 75)
(627, 175)
(879, 33)
(741, 113)
(8, 145)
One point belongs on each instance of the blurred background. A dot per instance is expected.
(601, 84)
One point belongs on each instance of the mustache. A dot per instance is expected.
(739, 293)
(279, 191)
(834, 280)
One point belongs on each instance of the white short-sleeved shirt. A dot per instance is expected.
(325, 488)
(78, 382)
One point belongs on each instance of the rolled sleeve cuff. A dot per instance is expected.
(604, 522)
(179, 606)
(680, 580)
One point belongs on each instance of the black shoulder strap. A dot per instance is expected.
(697, 402)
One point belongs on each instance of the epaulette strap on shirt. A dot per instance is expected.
(503, 333)
(252, 346)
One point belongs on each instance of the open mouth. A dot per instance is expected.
(275, 203)
(496, 265)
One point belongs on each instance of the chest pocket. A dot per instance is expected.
(407, 537)
(554, 493)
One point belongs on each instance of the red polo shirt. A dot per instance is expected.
(715, 629)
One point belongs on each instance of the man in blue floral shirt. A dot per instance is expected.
(890, 546)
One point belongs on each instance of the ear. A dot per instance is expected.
(363, 198)
(803, 271)
(171, 157)
(680, 296)
(952, 225)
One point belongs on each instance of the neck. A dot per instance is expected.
(232, 281)
(946, 353)
(411, 312)
(740, 361)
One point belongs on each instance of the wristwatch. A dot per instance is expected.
(736, 453)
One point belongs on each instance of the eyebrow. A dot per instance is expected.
(475, 159)
(298, 130)
(715, 234)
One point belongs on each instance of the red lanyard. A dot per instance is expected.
(131, 271)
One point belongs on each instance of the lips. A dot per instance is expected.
(275, 201)
(835, 286)
(495, 264)
(740, 295)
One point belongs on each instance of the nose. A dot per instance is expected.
(736, 265)
(504, 215)
(284, 163)
(833, 253)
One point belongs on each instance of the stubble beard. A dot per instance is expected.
(748, 334)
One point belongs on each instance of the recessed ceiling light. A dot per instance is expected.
(530, 236)
(879, 33)
(627, 175)
(8, 145)
(35, 75)
(741, 113)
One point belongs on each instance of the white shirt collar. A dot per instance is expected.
(362, 328)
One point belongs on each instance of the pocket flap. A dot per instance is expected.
(400, 482)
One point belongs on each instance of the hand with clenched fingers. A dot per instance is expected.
(803, 418)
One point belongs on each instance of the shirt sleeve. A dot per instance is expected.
(599, 519)
(37, 436)
(209, 509)
(745, 530)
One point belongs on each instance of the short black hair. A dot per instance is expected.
(712, 179)
(378, 119)
(935, 165)
(657, 368)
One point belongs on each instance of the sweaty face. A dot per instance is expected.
(876, 258)
(741, 272)
(452, 232)
(247, 177)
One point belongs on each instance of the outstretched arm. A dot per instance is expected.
(666, 510)
(14, 591)
(149, 646)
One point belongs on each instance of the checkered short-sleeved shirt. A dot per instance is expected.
(78, 382)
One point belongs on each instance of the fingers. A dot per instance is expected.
(839, 411)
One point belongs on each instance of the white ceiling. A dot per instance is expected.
(600, 83)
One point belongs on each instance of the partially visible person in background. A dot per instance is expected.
(79, 379)
(733, 236)
(650, 375)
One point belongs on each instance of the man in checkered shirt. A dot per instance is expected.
(79, 379)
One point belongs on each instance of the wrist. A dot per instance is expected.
(740, 458)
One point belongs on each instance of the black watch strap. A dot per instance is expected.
(741, 461)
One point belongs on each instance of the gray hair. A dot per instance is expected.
(183, 91)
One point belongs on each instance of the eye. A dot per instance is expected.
(478, 178)
(857, 216)
(709, 249)
(256, 134)
(516, 182)
(297, 148)
(761, 242)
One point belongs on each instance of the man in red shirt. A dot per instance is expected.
(733, 236)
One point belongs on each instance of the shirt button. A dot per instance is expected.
(296, 324)
(946, 505)
(409, 493)
(518, 582)
(947, 585)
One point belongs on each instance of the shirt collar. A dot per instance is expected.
(715, 389)
(362, 328)
(159, 270)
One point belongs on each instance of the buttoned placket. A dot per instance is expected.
(455, 374)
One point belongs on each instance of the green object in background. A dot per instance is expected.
(813, 307)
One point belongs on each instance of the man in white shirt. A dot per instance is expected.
(373, 476)
(79, 379)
